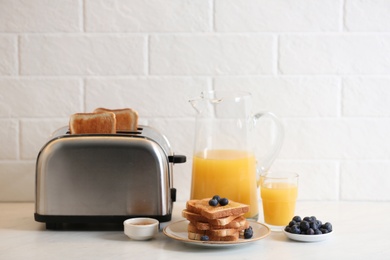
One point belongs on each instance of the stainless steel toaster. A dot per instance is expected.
(107, 178)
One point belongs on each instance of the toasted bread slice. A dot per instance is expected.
(214, 233)
(92, 123)
(126, 118)
(239, 223)
(197, 236)
(203, 208)
(195, 217)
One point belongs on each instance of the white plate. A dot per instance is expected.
(307, 238)
(178, 231)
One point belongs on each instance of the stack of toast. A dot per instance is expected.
(217, 223)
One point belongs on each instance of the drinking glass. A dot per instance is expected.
(279, 192)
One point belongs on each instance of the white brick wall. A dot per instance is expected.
(343, 54)
(322, 66)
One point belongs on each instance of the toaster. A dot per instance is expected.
(104, 178)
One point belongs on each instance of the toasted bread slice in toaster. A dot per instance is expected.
(92, 123)
(126, 118)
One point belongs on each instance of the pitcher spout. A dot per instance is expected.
(206, 100)
(195, 103)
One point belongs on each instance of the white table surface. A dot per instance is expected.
(361, 231)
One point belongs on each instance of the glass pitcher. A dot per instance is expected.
(224, 162)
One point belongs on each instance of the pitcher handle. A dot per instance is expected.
(277, 144)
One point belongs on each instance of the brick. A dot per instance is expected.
(334, 54)
(82, 55)
(8, 54)
(40, 16)
(23, 188)
(367, 16)
(288, 96)
(366, 96)
(9, 142)
(148, 16)
(35, 133)
(279, 15)
(151, 97)
(40, 97)
(365, 180)
(338, 139)
(212, 54)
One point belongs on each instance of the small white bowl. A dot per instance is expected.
(141, 228)
(308, 238)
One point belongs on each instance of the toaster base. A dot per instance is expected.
(57, 222)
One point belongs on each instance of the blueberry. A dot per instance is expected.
(295, 229)
(213, 202)
(319, 223)
(204, 238)
(313, 218)
(324, 230)
(292, 223)
(327, 226)
(310, 231)
(306, 219)
(304, 226)
(297, 219)
(317, 232)
(217, 197)
(248, 233)
(223, 201)
(287, 229)
(313, 225)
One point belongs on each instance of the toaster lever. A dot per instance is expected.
(177, 158)
(173, 194)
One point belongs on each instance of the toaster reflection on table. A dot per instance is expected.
(106, 178)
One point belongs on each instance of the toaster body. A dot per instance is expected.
(105, 178)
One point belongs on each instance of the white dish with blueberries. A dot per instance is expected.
(308, 229)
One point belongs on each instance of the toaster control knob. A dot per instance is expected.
(177, 158)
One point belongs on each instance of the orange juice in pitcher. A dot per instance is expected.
(224, 163)
(229, 173)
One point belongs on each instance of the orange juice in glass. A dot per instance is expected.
(227, 173)
(279, 192)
